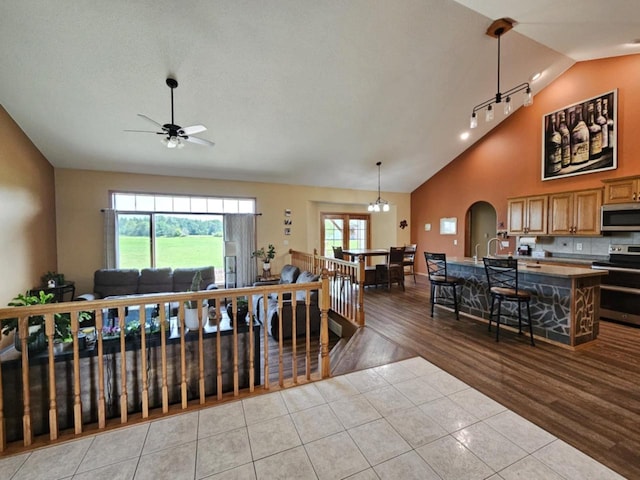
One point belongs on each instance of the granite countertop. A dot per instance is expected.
(530, 266)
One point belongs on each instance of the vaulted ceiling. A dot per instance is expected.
(291, 91)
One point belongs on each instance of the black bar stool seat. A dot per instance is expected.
(502, 277)
(438, 277)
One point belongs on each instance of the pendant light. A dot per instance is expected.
(496, 30)
(379, 204)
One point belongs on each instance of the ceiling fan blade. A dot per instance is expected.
(199, 141)
(145, 131)
(150, 120)
(192, 130)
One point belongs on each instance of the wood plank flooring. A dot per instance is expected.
(590, 398)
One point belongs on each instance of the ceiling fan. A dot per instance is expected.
(175, 135)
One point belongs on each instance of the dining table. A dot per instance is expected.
(354, 253)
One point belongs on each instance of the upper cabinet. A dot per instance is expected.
(575, 213)
(527, 215)
(622, 190)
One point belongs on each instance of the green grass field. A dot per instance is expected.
(191, 251)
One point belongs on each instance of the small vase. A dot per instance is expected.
(266, 270)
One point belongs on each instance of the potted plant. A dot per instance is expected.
(242, 305)
(37, 340)
(266, 256)
(52, 279)
(191, 306)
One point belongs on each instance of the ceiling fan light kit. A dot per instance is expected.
(174, 136)
(496, 30)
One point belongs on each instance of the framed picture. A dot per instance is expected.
(581, 138)
(448, 226)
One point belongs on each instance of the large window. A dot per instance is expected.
(172, 230)
(348, 231)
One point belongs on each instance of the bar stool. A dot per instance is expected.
(502, 277)
(437, 269)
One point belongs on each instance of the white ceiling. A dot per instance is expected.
(292, 91)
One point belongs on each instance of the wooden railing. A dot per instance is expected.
(346, 286)
(160, 366)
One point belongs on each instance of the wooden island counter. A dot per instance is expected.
(565, 301)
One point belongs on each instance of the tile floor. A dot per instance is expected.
(403, 420)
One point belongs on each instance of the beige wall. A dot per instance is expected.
(27, 212)
(81, 194)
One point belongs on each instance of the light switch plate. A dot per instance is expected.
(427, 227)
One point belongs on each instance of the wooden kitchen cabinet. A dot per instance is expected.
(527, 215)
(622, 190)
(575, 213)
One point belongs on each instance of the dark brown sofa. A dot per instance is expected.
(271, 321)
(122, 281)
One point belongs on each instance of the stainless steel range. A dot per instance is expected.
(620, 290)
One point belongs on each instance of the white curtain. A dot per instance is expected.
(109, 238)
(241, 229)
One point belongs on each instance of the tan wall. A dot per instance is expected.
(27, 212)
(81, 194)
(507, 162)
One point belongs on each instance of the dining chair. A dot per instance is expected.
(502, 277)
(439, 279)
(395, 266)
(341, 277)
(409, 260)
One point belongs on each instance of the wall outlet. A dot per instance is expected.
(286, 242)
(578, 247)
(505, 243)
(427, 227)
(455, 242)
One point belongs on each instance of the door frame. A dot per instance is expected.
(345, 216)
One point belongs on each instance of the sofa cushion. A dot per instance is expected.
(306, 277)
(155, 280)
(289, 274)
(301, 295)
(182, 278)
(111, 282)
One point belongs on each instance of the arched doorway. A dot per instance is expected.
(480, 228)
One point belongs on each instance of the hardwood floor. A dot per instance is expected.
(590, 398)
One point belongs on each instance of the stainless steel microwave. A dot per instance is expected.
(621, 217)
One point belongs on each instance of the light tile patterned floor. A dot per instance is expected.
(404, 420)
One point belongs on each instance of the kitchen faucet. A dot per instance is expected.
(497, 240)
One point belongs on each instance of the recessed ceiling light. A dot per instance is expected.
(535, 76)
(464, 135)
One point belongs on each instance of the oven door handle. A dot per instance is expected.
(615, 269)
(635, 291)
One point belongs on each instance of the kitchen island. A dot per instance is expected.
(565, 301)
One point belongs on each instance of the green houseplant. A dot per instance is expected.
(266, 256)
(55, 277)
(243, 309)
(191, 306)
(37, 339)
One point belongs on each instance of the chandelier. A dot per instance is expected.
(496, 30)
(379, 204)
